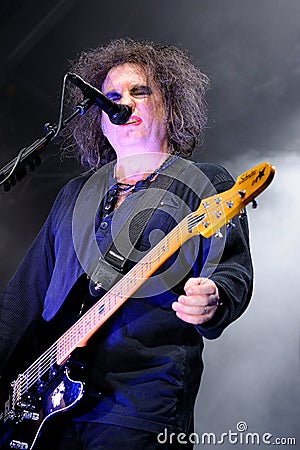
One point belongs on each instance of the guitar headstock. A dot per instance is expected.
(217, 210)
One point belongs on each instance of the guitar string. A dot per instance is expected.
(39, 367)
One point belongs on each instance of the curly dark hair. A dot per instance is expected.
(181, 84)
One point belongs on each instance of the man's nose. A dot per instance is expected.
(128, 100)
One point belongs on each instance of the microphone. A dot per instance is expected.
(118, 114)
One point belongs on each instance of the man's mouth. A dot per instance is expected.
(133, 120)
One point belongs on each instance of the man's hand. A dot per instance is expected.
(200, 302)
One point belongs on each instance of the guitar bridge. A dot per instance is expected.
(29, 415)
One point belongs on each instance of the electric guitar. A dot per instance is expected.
(45, 389)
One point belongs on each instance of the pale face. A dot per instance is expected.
(145, 130)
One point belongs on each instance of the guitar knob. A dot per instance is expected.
(254, 204)
(18, 444)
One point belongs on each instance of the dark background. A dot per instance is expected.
(250, 49)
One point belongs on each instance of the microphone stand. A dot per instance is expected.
(16, 169)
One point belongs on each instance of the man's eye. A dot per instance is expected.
(141, 91)
(113, 96)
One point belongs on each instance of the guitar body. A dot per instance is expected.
(36, 414)
(28, 423)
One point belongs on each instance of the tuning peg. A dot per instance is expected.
(218, 234)
(242, 213)
(242, 193)
(254, 204)
(230, 224)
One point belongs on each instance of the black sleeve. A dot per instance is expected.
(22, 300)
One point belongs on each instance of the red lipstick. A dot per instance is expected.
(133, 120)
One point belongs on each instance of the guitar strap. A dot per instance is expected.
(112, 265)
